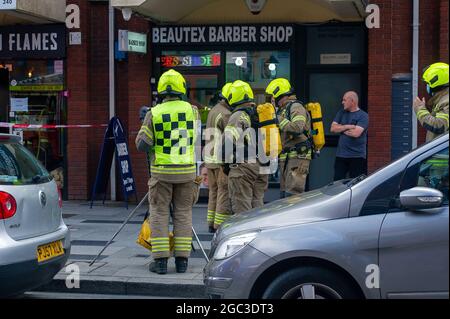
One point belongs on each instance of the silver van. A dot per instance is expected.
(34, 241)
(381, 236)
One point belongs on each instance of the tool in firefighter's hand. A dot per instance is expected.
(120, 229)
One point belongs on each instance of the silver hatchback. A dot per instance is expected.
(34, 241)
(381, 236)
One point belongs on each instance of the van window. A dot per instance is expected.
(19, 167)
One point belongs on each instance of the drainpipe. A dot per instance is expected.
(415, 67)
(112, 93)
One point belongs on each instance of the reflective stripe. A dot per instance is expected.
(233, 131)
(183, 243)
(173, 170)
(160, 244)
(146, 130)
(185, 239)
(218, 118)
(284, 123)
(422, 113)
(220, 218)
(442, 116)
(299, 118)
(244, 117)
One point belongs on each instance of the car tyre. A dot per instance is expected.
(310, 283)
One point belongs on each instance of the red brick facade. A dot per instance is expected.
(390, 52)
(88, 84)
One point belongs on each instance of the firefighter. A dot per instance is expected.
(433, 116)
(295, 127)
(218, 201)
(246, 183)
(168, 133)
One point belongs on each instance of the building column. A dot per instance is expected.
(379, 88)
(78, 109)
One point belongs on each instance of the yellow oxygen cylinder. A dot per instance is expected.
(318, 134)
(269, 129)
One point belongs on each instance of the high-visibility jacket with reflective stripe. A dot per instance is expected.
(237, 133)
(436, 122)
(174, 130)
(171, 129)
(215, 126)
(293, 127)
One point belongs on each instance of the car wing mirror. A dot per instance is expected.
(421, 198)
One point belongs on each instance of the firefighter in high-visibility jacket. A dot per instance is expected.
(295, 127)
(433, 116)
(219, 209)
(168, 133)
(247, 182)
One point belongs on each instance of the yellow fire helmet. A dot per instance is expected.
(224, 93)
(279, 88)
(240, 92)
(436, 75)
(171, 83)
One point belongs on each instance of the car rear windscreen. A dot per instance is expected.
(19, 167)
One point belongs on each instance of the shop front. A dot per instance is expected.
(321, 61)
(32, 89)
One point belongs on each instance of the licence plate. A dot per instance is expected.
(49, 251)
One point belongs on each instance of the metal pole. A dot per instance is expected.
(415, 68)
(200, 244)
(112, 93)
(120, 229)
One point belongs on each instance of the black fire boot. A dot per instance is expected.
(159, 266)
(211, 230)
(181, 263)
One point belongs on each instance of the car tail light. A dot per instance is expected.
(8, 205)
(59, 197)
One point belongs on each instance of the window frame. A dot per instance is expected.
(418, 159)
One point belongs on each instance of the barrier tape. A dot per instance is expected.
(48, 126)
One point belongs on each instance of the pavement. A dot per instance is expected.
(123, 267)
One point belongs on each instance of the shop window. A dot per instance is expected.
(336, 45)
(257, 68)
(37, 97)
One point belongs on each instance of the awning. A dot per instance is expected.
(236, 11)
(33, 12)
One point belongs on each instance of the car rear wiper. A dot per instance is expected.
(356, 180)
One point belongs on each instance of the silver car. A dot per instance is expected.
(383, 236)
(34, 241)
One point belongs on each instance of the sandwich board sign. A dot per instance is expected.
(114, 142)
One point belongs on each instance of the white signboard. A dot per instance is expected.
(345, 58)
(8, 4)
(74, 38)
(59, 66)
(19, 105)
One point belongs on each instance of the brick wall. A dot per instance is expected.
(443, 47)
(133, 81)
(88, 83)
(77, 108)
(390, 52)
(379, 88)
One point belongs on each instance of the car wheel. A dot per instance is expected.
(310, 283)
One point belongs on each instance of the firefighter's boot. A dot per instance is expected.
(181, 264)
(159, 266)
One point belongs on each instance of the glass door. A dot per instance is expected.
(328, 88)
